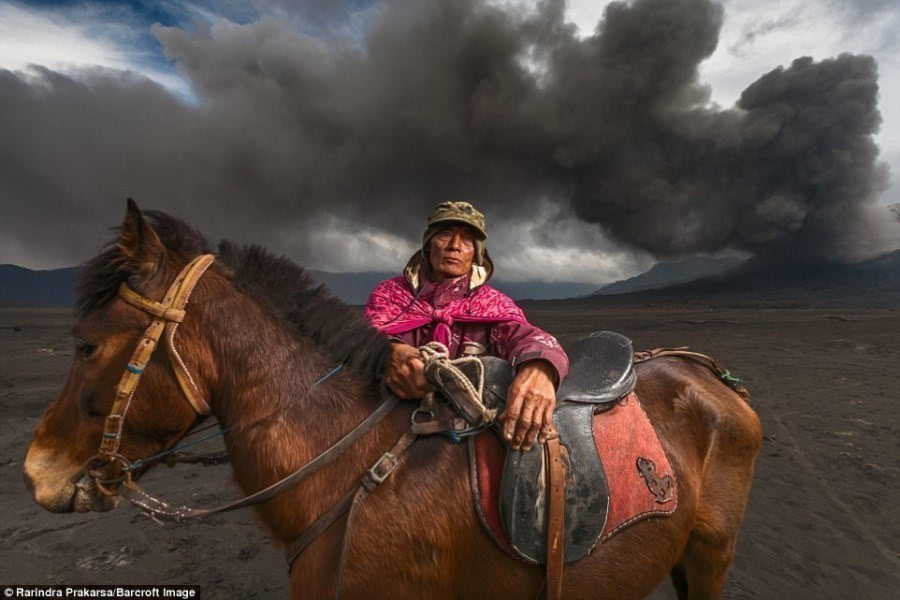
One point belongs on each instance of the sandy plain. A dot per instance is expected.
(823, 519)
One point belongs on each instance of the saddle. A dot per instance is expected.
(616, 471)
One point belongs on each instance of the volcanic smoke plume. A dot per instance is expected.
(368, 125)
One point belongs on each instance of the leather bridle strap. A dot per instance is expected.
(164, 512)
(167, 314)
(171, 312)
(373, 478)
(350, 505)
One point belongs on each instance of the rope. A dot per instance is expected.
(201, 429)
(435, 355)
(458, 437)
(143, 461)
(329, 374)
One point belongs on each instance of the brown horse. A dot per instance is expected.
(258, 333)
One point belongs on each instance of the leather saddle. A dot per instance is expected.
(601, 372)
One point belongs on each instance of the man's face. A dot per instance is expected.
(452, 251)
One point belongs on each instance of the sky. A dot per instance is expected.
(598, 138)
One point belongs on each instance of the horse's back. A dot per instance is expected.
(424, 521)
(693, 409)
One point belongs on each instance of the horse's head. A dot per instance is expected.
(106, 335)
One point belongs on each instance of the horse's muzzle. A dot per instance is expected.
(79, 494)
(89, 497)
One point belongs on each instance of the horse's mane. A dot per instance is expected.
(308, 309)
(100, 277)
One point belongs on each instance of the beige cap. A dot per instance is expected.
(462, 212)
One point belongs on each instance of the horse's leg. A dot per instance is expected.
(727, 471)
(679, 580)
(701, 572)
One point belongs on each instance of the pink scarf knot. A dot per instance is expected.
(393, 308)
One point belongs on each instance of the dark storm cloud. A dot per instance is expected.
(456, 99)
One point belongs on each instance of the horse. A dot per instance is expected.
(258, 336)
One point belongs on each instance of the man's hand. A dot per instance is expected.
(529, 405)
(406, 373)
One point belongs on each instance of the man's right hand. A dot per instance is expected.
(406, 373)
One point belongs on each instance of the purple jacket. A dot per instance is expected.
(468, 322)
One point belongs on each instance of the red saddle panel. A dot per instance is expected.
(638, 472)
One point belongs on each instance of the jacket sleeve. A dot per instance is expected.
(521, 342)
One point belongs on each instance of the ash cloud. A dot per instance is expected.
(455, 99)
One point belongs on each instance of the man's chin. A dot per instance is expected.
(454, 272)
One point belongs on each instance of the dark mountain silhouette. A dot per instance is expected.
(542, 290)
(755, 281)
(353, 288)
(56, 287)
(667, 274)
(760, 282)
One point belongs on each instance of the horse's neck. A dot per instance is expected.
(267, 395)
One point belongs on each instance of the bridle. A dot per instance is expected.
(167, 315)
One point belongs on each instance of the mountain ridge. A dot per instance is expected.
(759, 282)
(666, 274)
(56, 287)
(756, 280)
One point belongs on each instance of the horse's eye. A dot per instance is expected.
(85, 349)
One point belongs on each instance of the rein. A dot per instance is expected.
(162, 511)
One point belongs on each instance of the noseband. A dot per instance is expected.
(166, 317)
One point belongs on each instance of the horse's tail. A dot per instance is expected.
(707, 361)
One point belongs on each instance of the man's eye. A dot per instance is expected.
(85, 349)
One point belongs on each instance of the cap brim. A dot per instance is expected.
(481, 232)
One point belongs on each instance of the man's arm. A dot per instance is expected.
(540, 365)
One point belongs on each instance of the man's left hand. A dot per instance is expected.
(529, 405)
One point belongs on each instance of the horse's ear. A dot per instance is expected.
(141, 247)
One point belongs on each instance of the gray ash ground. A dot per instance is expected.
(823, 520)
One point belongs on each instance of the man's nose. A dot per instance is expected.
(456, 242)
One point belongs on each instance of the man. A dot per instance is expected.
(442, 296)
